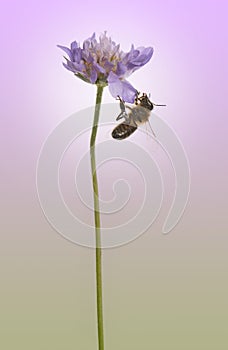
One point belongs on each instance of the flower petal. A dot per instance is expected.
(74, 67)
(74, 45)
(121, 88)
(70, 67)
(99, 68)
(93, 76)
(102, 60)
(91, 41)
(108, 66)
(77, 55)
(143, 57)
(67, 50)
(121, 69)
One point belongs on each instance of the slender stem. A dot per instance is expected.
(97, 221)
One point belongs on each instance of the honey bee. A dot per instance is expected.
(138, 114)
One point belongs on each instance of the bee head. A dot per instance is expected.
(145, 102)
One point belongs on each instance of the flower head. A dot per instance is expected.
(102, 62)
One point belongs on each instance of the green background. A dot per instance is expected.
(160, 292)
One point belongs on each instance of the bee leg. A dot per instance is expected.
(122, 104)
(123, 113)
(137, 97)
(129, 108)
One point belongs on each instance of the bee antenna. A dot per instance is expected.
(159, 105)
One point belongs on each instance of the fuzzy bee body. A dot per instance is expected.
(138, 114)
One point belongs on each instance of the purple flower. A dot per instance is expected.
(103, 63)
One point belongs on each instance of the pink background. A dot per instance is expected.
(173, 292)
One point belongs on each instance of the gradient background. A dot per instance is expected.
(161, 292)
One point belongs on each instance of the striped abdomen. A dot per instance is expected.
(123, 130)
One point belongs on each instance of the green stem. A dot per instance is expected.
(97, 221)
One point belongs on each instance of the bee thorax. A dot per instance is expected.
(140, 115)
